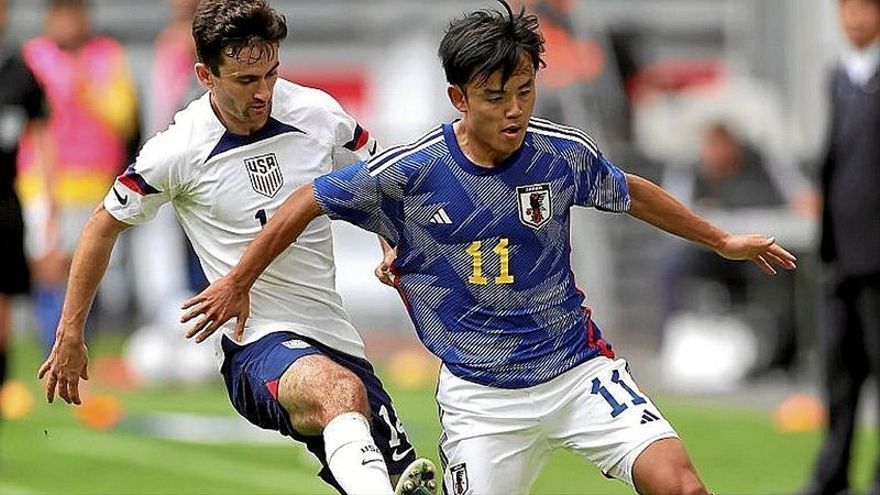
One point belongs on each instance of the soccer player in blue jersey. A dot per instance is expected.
(478, 210)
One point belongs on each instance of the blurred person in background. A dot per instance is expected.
(22, 108)
(479, 210)
(92, 127)
(174, 83)
(731, 175)
(573, 62)
(850, 243)
(226, 165)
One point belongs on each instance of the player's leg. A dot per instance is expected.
(323, 398)
(492, 441)
(665, 468)
(285, 383)
(408, 474)
(603, 416)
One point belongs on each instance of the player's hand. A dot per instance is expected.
(67, 363)
(219, 303)
(761, 250)
(383, 271)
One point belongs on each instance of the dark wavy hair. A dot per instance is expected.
(223, 25)
(480, 43)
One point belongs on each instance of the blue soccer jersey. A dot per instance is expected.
(483, 259)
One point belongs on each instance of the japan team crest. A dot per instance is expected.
(534, 204)
(265, 174)
(459, 476)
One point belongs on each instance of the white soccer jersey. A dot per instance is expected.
(224, 188)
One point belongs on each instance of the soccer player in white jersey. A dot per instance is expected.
(226, 165)
(478, 210)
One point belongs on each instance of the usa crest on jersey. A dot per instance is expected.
(534, 203)
(265, 174)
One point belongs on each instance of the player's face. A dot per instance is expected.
(242, 92)
(495, 117)
(860, 20)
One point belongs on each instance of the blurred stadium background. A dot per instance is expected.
(645, 77)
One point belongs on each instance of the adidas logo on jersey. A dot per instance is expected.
(441, 217)
(648, 416)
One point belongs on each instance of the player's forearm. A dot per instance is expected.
(90, 262)
(280, 232)
(655, 206)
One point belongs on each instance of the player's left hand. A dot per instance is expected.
(219, 303)
(383, 271)
(761, 250)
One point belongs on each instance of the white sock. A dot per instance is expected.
(353, 457)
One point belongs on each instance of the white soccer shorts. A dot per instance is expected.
(497, 440)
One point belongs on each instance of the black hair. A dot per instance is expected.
(227, 26)
(480, 43)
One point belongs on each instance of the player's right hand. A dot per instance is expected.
(219, 303)
(67, 363)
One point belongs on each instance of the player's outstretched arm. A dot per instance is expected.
(655, 206)
(227, 297)
(68, 360)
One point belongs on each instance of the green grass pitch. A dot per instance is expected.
(736, 449)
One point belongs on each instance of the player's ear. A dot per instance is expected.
(457, 97)
(203, 72)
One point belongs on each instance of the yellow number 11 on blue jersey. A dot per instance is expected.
(476, 252)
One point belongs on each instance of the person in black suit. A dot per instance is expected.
(850, 243)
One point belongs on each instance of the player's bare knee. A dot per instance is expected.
(315, 390)
(344, 392)
(688, 483)
(680, 483)
(665, 468)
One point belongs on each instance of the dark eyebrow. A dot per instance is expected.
(248, 76)
(491, 91)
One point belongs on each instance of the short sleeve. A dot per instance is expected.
(371, 202)
(146, 185)
(599, 183)
(352, 141)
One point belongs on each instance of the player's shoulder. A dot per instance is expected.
(555, 138)
(309, 109)
(410, 157)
